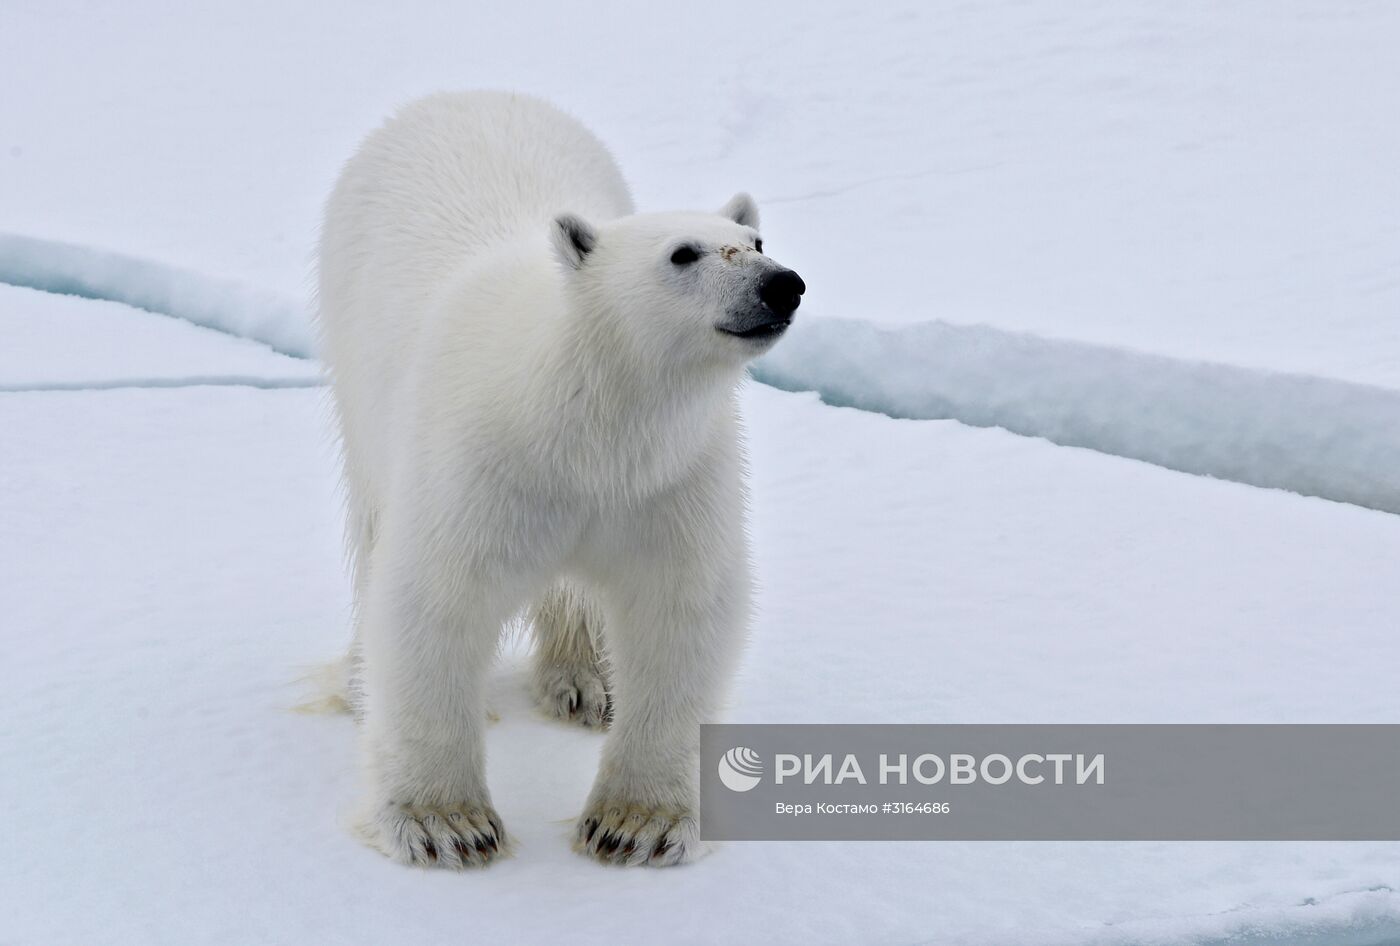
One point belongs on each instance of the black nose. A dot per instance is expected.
(782, 292)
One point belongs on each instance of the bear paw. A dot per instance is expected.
(575, 694)
(453, 836)
(639, 835)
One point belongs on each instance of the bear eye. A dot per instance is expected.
(684, 255)
(758, 245)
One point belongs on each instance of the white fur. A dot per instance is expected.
(537, 413)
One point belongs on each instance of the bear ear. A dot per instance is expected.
(742, 210)
(574, 238)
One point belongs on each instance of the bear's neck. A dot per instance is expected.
(639, 423)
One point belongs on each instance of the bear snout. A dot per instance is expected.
(782, 292)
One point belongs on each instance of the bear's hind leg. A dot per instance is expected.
(570, 678)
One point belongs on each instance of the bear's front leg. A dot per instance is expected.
(675, 586)
(428, 643)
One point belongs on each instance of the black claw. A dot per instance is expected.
(430, 849)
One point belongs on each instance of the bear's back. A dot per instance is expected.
(456, 173)
(445, 182)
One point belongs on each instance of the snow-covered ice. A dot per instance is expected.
(90, 272)
(1311, 435)
(173, 561)
(50, 341)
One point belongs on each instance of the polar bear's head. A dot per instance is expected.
(684, 287)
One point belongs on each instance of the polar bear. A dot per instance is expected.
(535, 388)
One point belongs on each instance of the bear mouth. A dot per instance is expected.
(760, 332)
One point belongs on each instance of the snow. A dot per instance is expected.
(1199, 180)
(173, 564)
(50, 341)
(1307, 434)
(92, 273)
